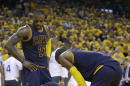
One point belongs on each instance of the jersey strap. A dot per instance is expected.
(72, 56)
(30, 34)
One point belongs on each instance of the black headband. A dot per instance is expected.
(59, 52)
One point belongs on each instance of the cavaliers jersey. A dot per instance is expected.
(34, 47)
(87, 62)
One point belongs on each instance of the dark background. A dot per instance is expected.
(120, 7)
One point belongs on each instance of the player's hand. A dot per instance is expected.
(30, 66)
(127, 80)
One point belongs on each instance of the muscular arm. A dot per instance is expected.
(2, 76)
(54, 44)
(65, 59)
(14, 39)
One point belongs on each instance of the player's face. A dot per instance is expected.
(38, 21)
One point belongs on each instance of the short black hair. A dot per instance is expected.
(59, 52)
(67, 41)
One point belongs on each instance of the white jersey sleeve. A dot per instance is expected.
(55, 68)
(12, 68)
(72, 82)
(19, 64)
(64, 72)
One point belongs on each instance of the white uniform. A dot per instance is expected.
(55, 68)
(1, 64)
(72, 82)
(12, 67)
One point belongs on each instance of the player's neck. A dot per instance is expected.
(38, 29)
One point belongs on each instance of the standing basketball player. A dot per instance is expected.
(12, 69)
(36, 46)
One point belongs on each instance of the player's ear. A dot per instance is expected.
(59, 52)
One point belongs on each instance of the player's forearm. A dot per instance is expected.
(11, 49)
(2, 77)
(3, 80)
(77, 76)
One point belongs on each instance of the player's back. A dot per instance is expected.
(82, 57)
(11, 68)
(88, 61)
(54, 67)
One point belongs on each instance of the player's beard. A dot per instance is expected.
(38, 27)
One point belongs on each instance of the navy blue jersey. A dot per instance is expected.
(87, 61)
(34, 48)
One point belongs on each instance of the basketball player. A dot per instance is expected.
(36, 45)
(12, 70)
(58, 73)
(96, 67)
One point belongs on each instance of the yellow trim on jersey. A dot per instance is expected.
(30, 34)
(46, 29)
(40, 30)
(48, 48)
(72, 57)
(97, 69)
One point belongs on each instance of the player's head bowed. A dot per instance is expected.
(59, 52)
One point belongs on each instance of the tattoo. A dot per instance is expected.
(14, 39)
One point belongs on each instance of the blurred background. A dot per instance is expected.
(96, 25)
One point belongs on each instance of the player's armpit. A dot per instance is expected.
(77, 75)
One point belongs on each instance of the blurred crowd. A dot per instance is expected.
(86, 28)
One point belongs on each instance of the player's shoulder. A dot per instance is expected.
(67, 54)
(46, 28)
(23, 28)
(23, 31)
(11, 58)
